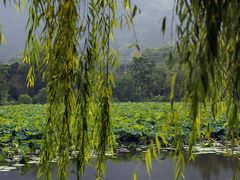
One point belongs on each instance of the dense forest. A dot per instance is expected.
(13, 85)
(145, 77)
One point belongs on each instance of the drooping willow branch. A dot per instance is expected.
(74, 36)
(2, 38)
(209, 46)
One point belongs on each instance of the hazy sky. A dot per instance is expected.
(13, 25)
(148, 28)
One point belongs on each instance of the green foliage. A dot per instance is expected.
(4, 85)
(2, 38)
(209, 50)
(144, 121)
(21, 128)
(132, 123)
(25, 99)
(147, 77)
(14, 77)
(78, 63)
(41, 97)
(79, 60)
(124, 89)
(142, 72)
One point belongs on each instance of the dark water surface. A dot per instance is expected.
(205, 167)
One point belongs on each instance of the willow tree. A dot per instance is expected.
(209, 45)
(2, 38)
(75, 37)
(209, 48)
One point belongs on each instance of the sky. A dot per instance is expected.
(13, 25)
(147, 25)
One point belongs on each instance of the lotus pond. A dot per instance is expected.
(134, 125)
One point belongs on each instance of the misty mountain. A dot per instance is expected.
(147, 28)
(13, 26)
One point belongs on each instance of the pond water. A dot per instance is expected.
(204, 167)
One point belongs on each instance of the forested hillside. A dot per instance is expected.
(13, 83)
(145, 77)
(148, 76)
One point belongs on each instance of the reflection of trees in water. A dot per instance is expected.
(212, 165)
(209, 166)
(22, 170)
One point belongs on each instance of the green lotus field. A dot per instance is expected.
(134, 125)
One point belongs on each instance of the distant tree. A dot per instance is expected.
(124, 89)
(148, 77)
(13, 80)
(4, 85)
(143, 70)
(41, 97)
(25, 99)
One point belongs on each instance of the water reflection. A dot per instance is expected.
(211, 166)
(204, 167)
